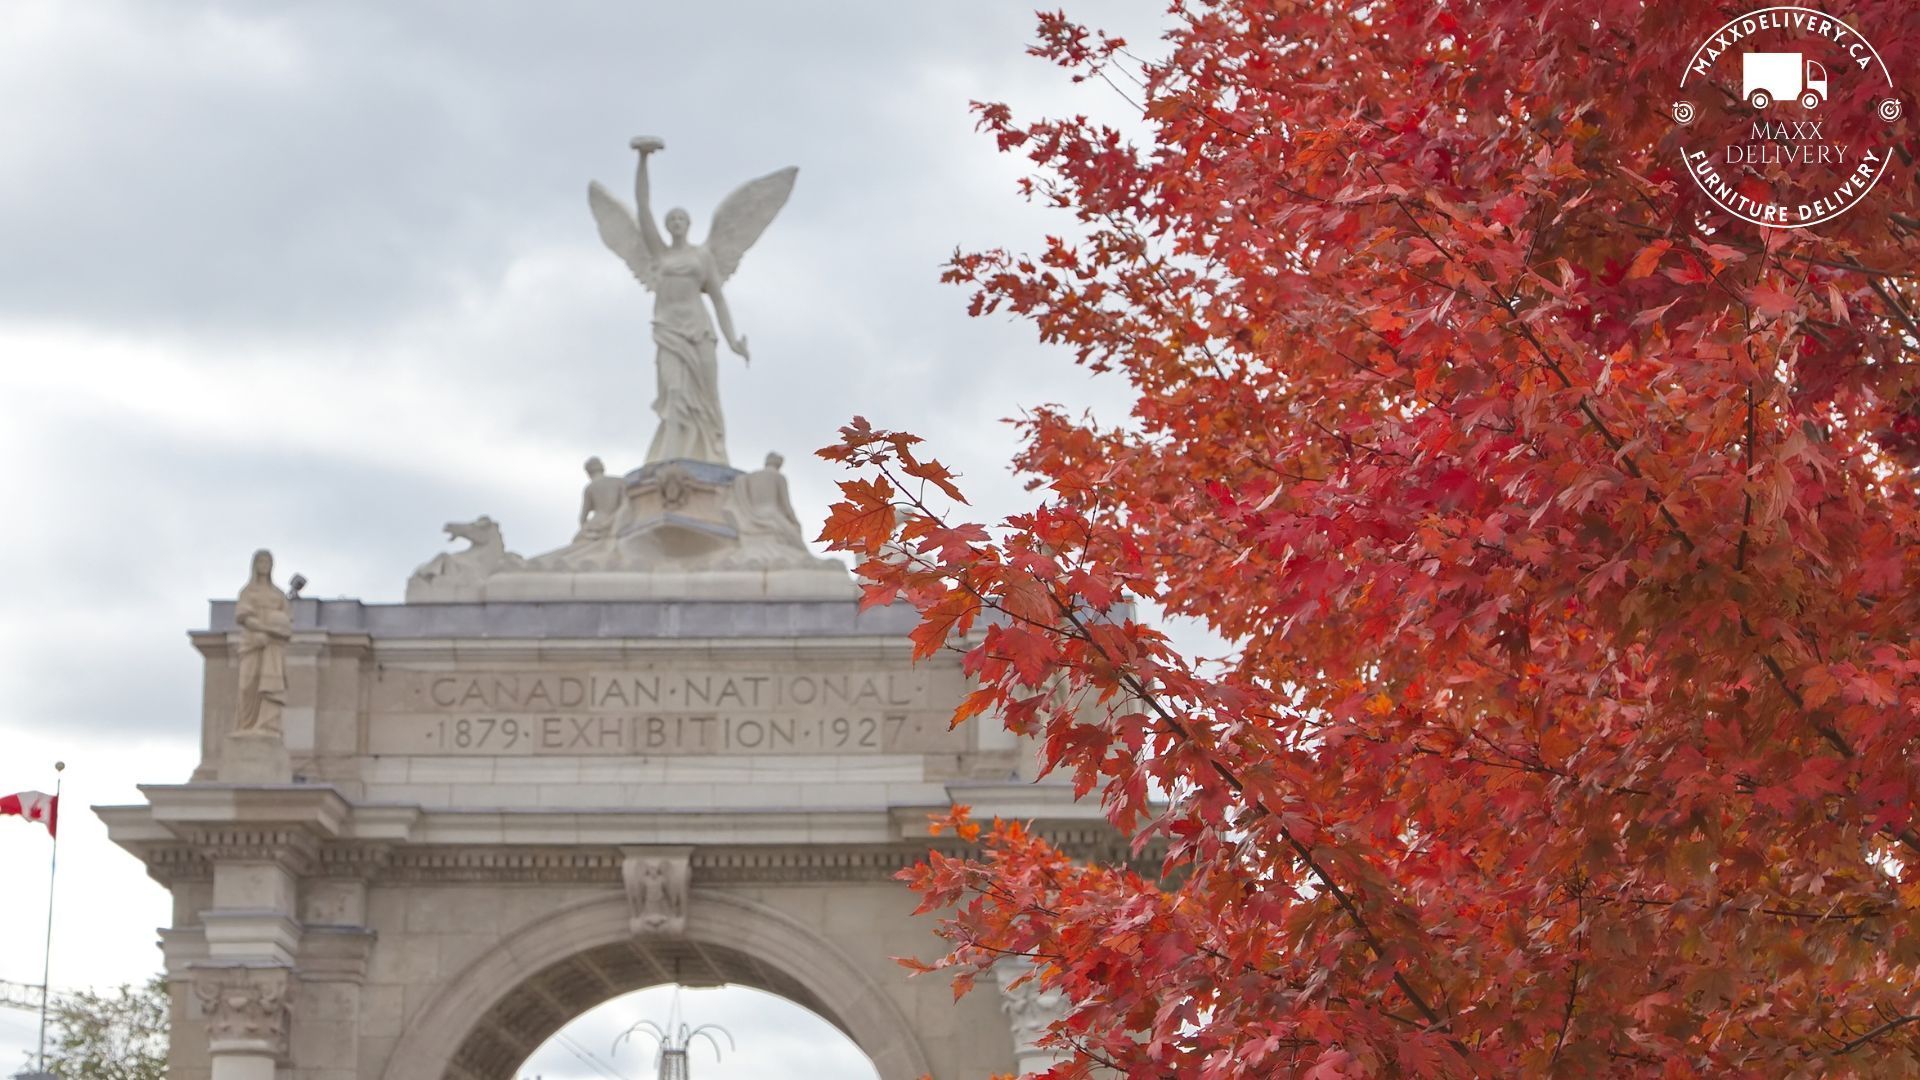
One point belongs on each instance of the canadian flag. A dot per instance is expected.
(34, 806)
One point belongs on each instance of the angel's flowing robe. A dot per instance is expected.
(688, 402)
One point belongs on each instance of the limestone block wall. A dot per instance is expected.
(968, 1038)
(745, 781)
(428, 936)
(383, 706)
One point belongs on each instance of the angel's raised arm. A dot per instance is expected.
(642, 192)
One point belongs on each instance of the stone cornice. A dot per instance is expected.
(716, 864)
(788, 618)
(211, 644)
(321, 954)
(621, 650)
(172, 863)
(293, 849)
(218, 644)
(316, 808)
(353, 861)
(311, 831)
(187, 828)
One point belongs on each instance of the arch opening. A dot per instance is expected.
(534, 1011)
(762, 1036)
(485, 1022)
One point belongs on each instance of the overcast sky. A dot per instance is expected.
(321, 278)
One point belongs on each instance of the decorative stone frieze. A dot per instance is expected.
(353, 861)
(172, 865)
(294, 849)
(387, 862)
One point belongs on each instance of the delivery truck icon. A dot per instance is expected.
(1766, 77)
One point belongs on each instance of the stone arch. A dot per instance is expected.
(532, 982)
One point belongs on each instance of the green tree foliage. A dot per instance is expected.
(117, 1035)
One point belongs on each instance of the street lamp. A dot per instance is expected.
(675, 1039)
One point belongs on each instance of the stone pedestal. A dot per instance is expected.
(255, 757)
(686, 530)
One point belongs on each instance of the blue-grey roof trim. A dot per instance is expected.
(595, 619)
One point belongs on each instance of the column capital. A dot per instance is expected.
(245, 1008)
(1031, 1009)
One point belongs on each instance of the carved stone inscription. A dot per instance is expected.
(673, 712)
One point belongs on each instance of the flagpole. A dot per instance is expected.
(46, 956)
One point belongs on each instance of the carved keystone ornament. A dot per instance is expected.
(657, 880)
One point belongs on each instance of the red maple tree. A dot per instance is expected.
(1563, 528)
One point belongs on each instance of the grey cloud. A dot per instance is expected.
(231, 167)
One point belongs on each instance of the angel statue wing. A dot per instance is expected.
(743, 216)
(621, 233)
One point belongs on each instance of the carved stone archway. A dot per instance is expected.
(491, 1016)
(493, 817)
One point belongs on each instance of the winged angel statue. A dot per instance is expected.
(677, 272)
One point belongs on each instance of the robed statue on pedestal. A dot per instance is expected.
(265, 620)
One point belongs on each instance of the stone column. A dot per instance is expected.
(247, 1016)
(247, 952)
(252, 941)
(1030, 1010)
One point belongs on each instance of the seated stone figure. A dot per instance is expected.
(600, 503)
(770, 536)
(673, 528)
(603, 507)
